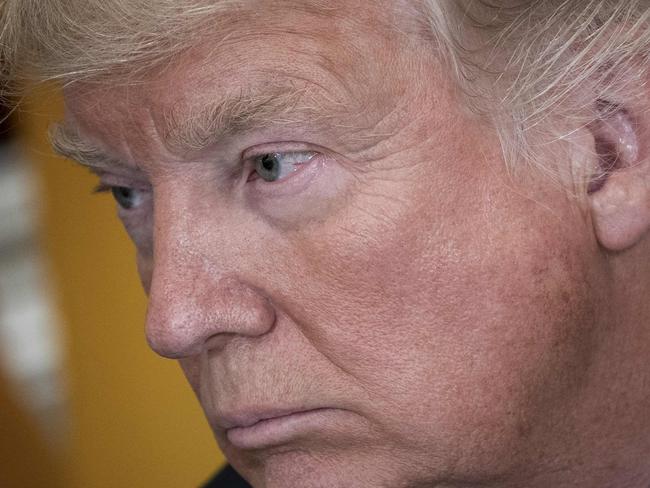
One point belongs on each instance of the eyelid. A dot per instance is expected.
(279, 147)
(110, 180)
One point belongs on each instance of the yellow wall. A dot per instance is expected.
(25, 460)
(135, 421)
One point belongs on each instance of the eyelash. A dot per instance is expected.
(102, 188)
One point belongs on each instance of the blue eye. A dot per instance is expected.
(277, 166)
(126, 197)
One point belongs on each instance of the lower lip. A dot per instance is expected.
(278, 430)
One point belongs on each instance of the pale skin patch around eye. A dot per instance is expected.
(310, 193)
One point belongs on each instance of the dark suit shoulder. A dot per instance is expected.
(227, 478)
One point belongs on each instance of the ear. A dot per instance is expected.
(619, 194)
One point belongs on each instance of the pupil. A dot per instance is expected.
(268, 162)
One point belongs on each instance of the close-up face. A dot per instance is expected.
(357, 289)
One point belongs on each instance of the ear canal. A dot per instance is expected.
(615, 140)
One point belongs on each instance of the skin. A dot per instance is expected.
(465, 328)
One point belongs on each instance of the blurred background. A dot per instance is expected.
(83, 402)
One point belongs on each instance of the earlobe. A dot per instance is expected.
(620, 193)
(621, 210)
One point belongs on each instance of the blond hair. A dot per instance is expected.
(541, 69)
(519, 62)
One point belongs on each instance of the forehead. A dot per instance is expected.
(334, 52)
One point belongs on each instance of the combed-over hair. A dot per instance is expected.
(520, 63)
(542, 69)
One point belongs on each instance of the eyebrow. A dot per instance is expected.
(195, 129)
(67, 142)
(192, 130)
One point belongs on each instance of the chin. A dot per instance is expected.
(302, 469)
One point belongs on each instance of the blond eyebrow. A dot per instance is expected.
(67, 142)
(199, 128)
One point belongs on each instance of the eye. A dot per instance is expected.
(127, 198)
(278, 166)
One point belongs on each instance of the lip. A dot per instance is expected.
(272, 428)
(247, 417)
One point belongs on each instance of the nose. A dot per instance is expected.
(194, 303)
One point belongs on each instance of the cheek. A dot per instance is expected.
(426, 304)
(191, 368)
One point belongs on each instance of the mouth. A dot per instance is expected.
(268, 429)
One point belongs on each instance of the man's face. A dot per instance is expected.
(355, 288)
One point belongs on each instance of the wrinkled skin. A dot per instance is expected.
(461, 327)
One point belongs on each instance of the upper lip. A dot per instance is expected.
(251, 416)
